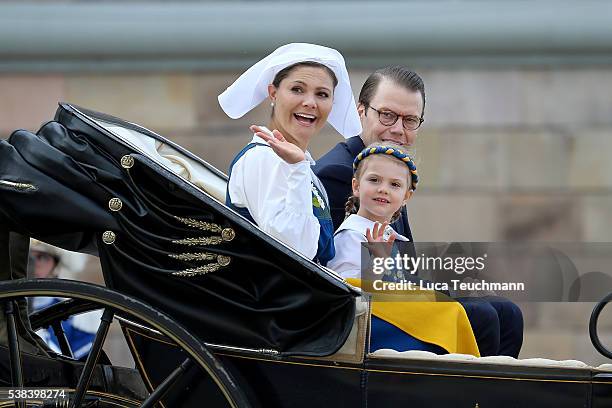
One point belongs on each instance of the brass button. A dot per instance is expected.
(115, 204)
(228, 234)
(223, 260)
(127, 161)
(108, 237)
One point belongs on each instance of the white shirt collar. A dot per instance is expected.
(359, 224)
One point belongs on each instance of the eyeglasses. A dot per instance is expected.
(388, 118)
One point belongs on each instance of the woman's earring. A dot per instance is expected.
(272, 104)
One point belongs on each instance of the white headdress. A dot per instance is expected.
(251, 88)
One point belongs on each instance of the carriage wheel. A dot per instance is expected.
(593, 327)
(113, 303)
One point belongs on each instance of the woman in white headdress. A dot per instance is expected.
(271, 181)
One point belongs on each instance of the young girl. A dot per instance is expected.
(384, 180)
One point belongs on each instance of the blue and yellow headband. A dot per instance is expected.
(391, 151)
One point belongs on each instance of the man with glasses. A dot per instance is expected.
(391, 107)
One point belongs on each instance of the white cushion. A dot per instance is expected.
(604, 367)
(465, 358)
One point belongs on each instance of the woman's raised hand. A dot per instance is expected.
(284, 149)
(376, 237)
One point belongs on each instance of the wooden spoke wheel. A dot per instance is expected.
(86, 384)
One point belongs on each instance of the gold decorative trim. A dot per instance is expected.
(127, 161)
(191, 256)
(19, 186)
(214, 240)
(108, 237)
(228, 234)
(200, 270)
(201, 225)
(223, 260)
(115, 204)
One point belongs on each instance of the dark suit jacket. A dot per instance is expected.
(335, 169)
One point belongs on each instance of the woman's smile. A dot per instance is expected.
(305, 119)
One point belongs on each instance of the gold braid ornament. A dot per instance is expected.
(201, 225)
(19, 186)
(190, 256)
(198, 241)
(226, 235)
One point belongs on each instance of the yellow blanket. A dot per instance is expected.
(443, 323)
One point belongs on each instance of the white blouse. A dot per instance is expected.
(347, 240)
(278, 196)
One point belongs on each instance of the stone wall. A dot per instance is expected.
(503, 155)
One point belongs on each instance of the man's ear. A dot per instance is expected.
(361, 109)
(355, 184)
(272, 92)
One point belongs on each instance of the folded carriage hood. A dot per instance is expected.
(165, 241)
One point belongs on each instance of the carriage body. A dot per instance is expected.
(284, 331)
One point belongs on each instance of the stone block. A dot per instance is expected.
(531, 314)
(572, 316)
(539, 217)
(154, 101)
(427, 157)
(569, 98)
(468, 97)
(207, 88)
(589, 163)
(358, 78)
(552, 344)
(535, 160)
(469, 160)
(453, 217)
(28, 101)
(596, 216)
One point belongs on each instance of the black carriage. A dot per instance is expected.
(214, 311)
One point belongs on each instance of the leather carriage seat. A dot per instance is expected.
(203, 175)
